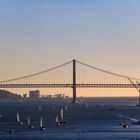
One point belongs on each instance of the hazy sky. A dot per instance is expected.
(38, 34)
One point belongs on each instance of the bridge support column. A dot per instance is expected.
(74, 81)
(139, 99)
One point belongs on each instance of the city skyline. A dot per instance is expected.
(37, 35)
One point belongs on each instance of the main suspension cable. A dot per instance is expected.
(35, 74)
(111, 73)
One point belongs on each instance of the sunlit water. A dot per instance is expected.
(90, 118)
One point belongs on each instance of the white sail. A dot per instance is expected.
(66, 108)
(28, 121)
(86, 105)
(40, 108)
(41, 122)
(56, 119)
(62, 114)
(18, 120)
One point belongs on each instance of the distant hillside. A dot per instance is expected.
(8, 95)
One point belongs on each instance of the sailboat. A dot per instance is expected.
(18, 119)
(134, 121)
(61, 119)
(62, 116)
(42, 128)
(29, 123)
(125, 125)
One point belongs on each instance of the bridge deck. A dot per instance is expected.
(69, 85)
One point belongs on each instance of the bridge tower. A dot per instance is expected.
(74, 81)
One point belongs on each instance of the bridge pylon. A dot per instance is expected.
(74, 81)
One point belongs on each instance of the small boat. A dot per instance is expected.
(125, 124)
(29, 123)
(42, 128)
(136, 123)
(11, 131)
(112, 109)
(18, 119)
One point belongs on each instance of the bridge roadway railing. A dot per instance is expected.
(69, 85)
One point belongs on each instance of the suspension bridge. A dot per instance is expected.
(76, 75)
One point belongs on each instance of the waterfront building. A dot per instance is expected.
(34, 94)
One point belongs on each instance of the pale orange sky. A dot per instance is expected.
(37, 35)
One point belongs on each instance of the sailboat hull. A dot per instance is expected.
(42, 129)
(30, 127)
(11, 131)
(62, 122)
(125, 126)
(136, 123)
